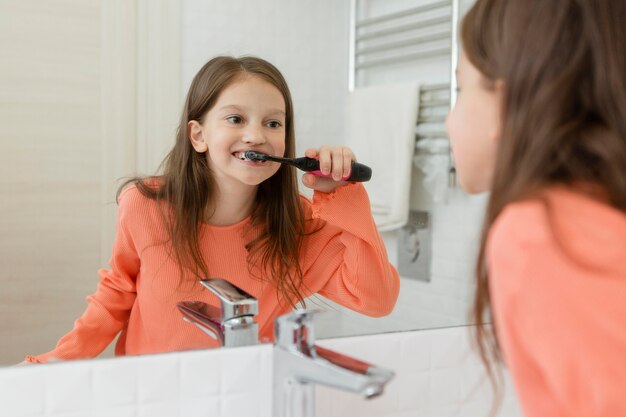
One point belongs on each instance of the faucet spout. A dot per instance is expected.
(329, 368)
(204, 316)
(354, 375)
(299, 364)
(233, 323)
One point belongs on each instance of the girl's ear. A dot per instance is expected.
(194, 129)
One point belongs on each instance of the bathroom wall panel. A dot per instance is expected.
(49, 169)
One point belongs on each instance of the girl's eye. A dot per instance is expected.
(274, 124)
(234, 119)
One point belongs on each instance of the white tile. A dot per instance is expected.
(70, 414)
(416, 352)
(475, 383)
(200, 407)
(350, 404)
(445, 411)
(241, 404)
(124, 411)
(324, 398)
(159, 409)
(68, 387)
(510, 408)
(476, 408)
(158, 378)
(200, 375)
(445, 387)
(114, 383)
(413, 389)
(22, 390)
(447, 348)
(240, 370)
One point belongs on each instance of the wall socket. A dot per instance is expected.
(415, 247)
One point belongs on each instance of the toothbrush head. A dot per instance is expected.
(255, 156)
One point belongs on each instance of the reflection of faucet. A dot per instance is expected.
(232, 326)
(299, 364)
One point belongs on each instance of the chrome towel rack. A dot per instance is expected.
(420, 33)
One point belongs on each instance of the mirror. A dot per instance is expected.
(88, 99)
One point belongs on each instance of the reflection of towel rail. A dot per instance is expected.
(428, 152)
(404, 57)
(423, 24)
(407, 42)
(375, 42)
(404, 13)
(435, 87)
(434, 103)
(431, 119)
(434, 135)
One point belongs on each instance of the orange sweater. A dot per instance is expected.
(345, 261)
(558, 285)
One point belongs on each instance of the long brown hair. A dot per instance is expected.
(188, 187)
(563, 66)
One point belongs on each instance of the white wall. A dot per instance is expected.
(306, 40)
(50, 169)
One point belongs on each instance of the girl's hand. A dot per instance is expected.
(335, 160)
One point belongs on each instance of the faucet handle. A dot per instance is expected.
(235, 302)
(295, 331)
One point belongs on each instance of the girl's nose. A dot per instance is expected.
(254, 136)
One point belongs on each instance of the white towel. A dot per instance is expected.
(381, 132)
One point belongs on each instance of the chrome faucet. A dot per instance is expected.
(231, 325)
(299, 364)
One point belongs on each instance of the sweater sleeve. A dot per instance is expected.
(560, 321)
(347, 259)
(109, 307)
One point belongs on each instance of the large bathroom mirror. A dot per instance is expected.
(91, 93)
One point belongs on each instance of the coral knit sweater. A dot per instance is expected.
(558, 285)
(345, 261)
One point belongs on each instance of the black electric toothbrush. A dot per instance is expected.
(358, 173)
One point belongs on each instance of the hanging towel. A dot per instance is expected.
(381, 132)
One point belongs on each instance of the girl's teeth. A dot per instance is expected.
(242, 156)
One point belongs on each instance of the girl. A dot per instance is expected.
(212, 214)
(540, 122)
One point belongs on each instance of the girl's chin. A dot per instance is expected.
(254, 179)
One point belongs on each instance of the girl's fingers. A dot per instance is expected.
(348, 157)
(337, 163)
(311, 153)
(325, 159)
(322, 184)
(334, 161)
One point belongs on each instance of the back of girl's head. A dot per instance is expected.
(563, 65)
(562, 68)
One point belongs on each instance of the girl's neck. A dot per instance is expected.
(231, 205)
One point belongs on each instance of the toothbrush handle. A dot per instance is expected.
(358, 173)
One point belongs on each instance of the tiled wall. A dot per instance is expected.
(436, 376)
(218, 383)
